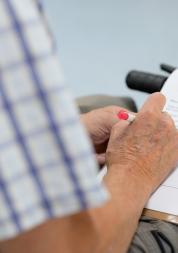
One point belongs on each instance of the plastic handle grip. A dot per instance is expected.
(144, 81)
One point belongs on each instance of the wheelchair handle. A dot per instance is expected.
(144, 81)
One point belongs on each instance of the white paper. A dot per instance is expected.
(165, 199)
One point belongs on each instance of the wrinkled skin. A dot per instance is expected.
(99, 123)
(148, 146)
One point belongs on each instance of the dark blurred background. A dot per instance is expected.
(99, 41)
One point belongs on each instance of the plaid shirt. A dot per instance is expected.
(47, 168)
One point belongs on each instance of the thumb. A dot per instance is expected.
(117, 133)
(119, 128)
(110, 116)
(155, 102)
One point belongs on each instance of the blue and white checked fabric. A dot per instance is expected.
(47, 168)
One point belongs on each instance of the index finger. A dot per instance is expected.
(155, 102)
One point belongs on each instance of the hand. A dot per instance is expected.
(147, 149)
(99, 123)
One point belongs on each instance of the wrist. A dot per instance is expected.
(130, 187)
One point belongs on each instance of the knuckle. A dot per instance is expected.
(167, 122)
(149, 116)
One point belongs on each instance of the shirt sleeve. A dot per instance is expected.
(47, 168)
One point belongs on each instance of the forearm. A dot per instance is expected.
(97, 230)
(119, 218)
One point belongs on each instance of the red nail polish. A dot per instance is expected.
(123, 115)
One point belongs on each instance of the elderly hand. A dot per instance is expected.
(147, 149)
(99, 123)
